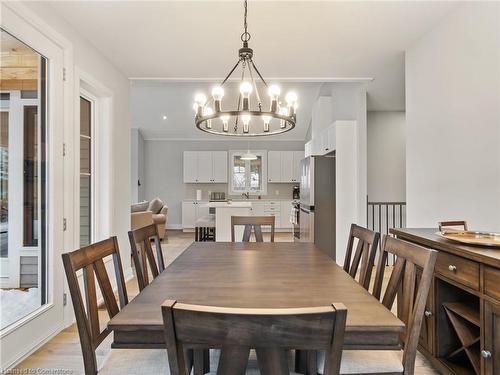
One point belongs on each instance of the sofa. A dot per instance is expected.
(149, 212)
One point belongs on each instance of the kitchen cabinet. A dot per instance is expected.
(283, 166)
(205, 167)
(286, 209)
(192, 211)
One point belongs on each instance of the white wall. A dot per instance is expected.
(163, 176)
(453, 120)
(386, 156)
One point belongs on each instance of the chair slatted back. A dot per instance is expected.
(364, 256)
(254, 222)
(453, 224)
(237, 330)
(90, 260)
(142, 253)
(412, 298)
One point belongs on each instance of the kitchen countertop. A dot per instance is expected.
(233, 204)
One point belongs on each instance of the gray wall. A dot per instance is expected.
(453, 120)
(164, 168)
(386, 156)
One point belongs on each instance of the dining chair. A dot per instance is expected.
(453, 224)
(364, 256)
(411, 306)
(142, 253)
(90, 260)
(272, 332)
(254, 222)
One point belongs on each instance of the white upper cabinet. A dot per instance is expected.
(219, 162)
(283, 166)
(274, 166)
(297, 157)
(287, 167)
(205, 166)
(322, 115)
(190, 166)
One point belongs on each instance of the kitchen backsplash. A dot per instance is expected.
(274, 191)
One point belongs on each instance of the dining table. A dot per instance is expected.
(256, 275)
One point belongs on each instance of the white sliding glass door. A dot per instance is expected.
(31, 187)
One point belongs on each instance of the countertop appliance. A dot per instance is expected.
(296, 193)
(216, 196)
(317, 202)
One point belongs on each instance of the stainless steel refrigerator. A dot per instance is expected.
(317, 202)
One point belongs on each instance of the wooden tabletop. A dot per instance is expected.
(256, 275)
(428, 237)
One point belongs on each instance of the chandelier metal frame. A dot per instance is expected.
(242, 115)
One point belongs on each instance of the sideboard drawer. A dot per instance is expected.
(492, 282)
(458, 269)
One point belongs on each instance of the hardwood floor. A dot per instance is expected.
(63, 352)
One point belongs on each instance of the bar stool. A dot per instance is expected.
(204, 229)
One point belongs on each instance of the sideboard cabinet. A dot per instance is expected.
(461, 329)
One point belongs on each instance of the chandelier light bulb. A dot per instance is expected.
(207, 111)
(217, 94)
(267, 120)
(284, 112)
(225, 123)
(195, 107)
(274, 92)
(291, 98)
(246, 122)
(246, 89)
(200, 99)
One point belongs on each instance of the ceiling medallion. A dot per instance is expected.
(245, 121)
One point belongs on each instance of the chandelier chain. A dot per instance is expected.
(245, 37)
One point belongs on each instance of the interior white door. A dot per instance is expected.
(219, 160)
(25, 334)
(205, 166)
(190, 166)
(274, 166)
(287, 166)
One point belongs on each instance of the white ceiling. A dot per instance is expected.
(293, 40)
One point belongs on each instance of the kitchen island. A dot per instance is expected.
(223, 213)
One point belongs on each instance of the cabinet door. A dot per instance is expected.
(428, 323)
(490, 352)
(287, 167)
(286, 209)
(202, 210)
(274, 166)
(205, 166)
(258, 209)
(219, 160)
(188, 214)
(297, 157)
(190, 166)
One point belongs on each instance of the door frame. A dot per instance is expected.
(32, 331)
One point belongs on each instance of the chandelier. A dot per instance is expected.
(248, 119)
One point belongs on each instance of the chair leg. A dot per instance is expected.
(196, 234)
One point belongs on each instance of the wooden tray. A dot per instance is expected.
(472, 237)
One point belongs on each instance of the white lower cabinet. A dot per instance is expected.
(192, 211)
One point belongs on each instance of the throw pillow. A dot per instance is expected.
(155, 205)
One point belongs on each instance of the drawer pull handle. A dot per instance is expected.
(452, 268)
(428, 313)
(485, 354)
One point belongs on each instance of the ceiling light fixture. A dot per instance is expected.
(248, 155)
(246, 120)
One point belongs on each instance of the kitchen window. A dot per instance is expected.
(248, 175)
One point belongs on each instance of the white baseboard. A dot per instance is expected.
(174, 226)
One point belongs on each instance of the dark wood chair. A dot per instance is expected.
(364, 256)
(90, 260)
(255, 222)
(272, 332)
(412, 295)
(453, 224)
(142, 253)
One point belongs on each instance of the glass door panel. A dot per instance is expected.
(23, 286)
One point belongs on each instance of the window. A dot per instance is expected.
(248, 175)
(86, 162)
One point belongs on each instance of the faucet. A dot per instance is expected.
(246, 195)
